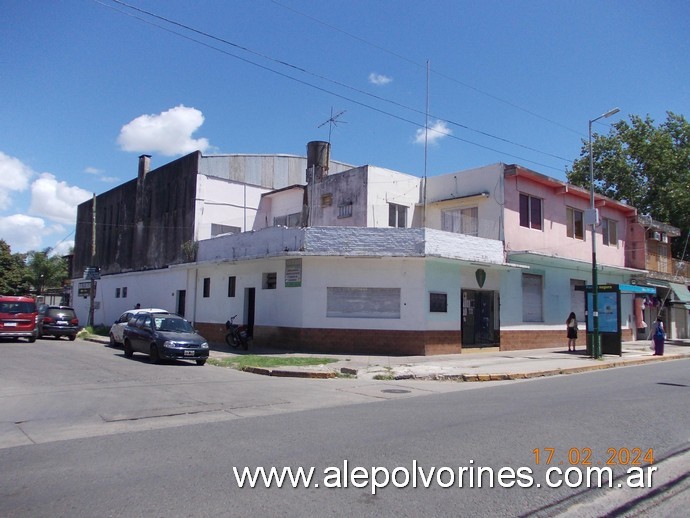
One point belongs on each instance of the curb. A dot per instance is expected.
(282, 373)
(537, 374)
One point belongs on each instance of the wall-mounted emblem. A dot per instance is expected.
(481, 277)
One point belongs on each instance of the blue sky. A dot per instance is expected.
(86, 86)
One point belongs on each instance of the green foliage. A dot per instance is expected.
(12, 272)
(253, 360)
(45, 271)
(645, 166)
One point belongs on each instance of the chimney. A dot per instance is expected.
(318, 157)
(144, 166)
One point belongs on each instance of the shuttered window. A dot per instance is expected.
(532, 298)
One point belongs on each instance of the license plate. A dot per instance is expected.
(189, 353)
(62, 322)
(10, 324)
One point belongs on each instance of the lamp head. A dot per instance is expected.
(611, 112)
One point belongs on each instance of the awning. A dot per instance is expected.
(634, 288)
(681, 292)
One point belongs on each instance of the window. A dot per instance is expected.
(609, 232)
(326, 200)
(397, 215)
(291, 220)
(345, 210)
(438, 302)
(207, 287)
(217, 229)
(124, 292)
(363, 302)
(461, 221)
(117, 293)
(232, 282)
(269, 281)
(532, 298)
(530, 212)
(575, 224)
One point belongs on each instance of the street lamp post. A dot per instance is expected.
(596, 346)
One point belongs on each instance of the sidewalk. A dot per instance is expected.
(472, 365)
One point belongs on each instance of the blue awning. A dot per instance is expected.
(634, 288)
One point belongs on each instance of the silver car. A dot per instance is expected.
(117, 329)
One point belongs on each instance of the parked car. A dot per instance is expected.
(116, 330)
(18, 318)
(164, 337)
(57, 321)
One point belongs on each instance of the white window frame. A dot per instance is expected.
(462, 220)
(571, 223)
(531, 200)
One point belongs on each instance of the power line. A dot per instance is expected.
(421, 65)
(330, 92)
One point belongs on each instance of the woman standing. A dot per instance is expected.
(658, 336)
(571, 326)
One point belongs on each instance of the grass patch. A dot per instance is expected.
(97, 330)
(268, 362)
(387, 376)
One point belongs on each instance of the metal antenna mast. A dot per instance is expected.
(333, 121)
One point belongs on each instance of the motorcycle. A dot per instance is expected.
(237, 336)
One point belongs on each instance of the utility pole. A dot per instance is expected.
(92, 287)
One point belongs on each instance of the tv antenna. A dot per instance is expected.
(333, 121)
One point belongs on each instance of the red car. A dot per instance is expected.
(18, 318)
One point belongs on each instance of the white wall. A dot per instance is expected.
(152, 288)
(222, 202)
(446, 192)
(384, 187)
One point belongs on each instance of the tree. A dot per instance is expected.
(644, 166)
(12, 271)
(45, 271)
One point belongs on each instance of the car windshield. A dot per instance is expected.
(17, 307)
(177, 325)
(61, 314)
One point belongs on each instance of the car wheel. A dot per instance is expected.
(129, 352)
(72, 338)
(201, 362)
(32, 339)
(154, 357)
(112, 343)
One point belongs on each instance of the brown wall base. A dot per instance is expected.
(388, 342)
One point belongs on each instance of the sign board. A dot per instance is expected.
(92, 273)
(293, 273)
(84, 289)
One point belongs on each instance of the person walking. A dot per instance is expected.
(658, 336)
(571, 326)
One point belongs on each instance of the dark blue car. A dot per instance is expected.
(164, 337)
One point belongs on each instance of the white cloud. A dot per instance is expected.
(100, 174)
(63, 248)
(168, 133)
(14, 176)
(56, 200)
(22, 233)
(437, 131)
(379, 79)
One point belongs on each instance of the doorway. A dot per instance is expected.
(181, 301)
(249, 309)
(480, 323)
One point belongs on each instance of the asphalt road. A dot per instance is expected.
(86, 432)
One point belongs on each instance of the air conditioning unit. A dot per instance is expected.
(655, 235)
(664, 238)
